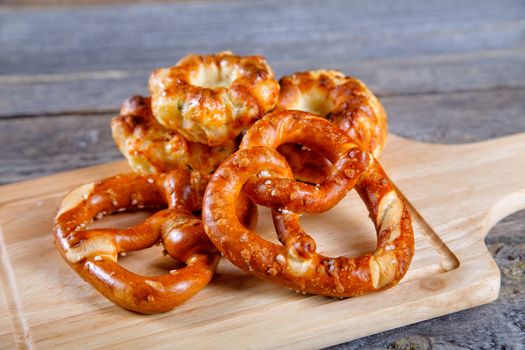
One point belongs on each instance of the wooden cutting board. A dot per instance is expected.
(457, 193)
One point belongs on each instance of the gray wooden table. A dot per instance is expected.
(447, 72)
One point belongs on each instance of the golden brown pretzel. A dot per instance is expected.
(346, 101)
(93, 253)
(211, 99)
(267, 178)
(151, 148)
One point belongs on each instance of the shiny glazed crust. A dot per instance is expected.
(93, 253)
(211, 99)
(345, 101)
(267, 179)
(151, 148)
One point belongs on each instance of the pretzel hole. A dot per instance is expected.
(307, 165)
(264, 227)
(349, 216)
(213, 76)
(148, 262)
(315, 102)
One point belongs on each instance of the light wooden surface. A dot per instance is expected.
(447, 72)
(457, 192)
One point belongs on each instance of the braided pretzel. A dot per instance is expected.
(93, 253)
(151, 148)
(211, 99)
(295, 264)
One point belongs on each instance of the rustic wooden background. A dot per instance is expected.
(447, 72)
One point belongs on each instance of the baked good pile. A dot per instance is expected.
(219, 136)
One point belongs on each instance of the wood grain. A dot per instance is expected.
(46, 3)
(415, 54)
(103, 91)
(437, 283)
(147, 36)
(7, 329)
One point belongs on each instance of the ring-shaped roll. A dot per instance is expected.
(212, 99)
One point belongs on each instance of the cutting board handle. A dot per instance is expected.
(505, 177)
(480, 182)
(492, 176)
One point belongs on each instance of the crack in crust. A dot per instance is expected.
(212, 99)
(295, 264)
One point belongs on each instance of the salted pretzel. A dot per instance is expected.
(151, 148)
(93, 253)
(346, 101)
(211, 99)
(267, 178)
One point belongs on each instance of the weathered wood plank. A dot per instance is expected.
(32, 147)
(457, 117)
(146, 36)
(42, 145)
(68, 93)
(41, 3)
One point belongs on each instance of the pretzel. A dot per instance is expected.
(211, 99)
(93, 253)
(267, 178)
(151, 148)
(346, 101)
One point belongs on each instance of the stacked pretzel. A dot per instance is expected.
(218, 135)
